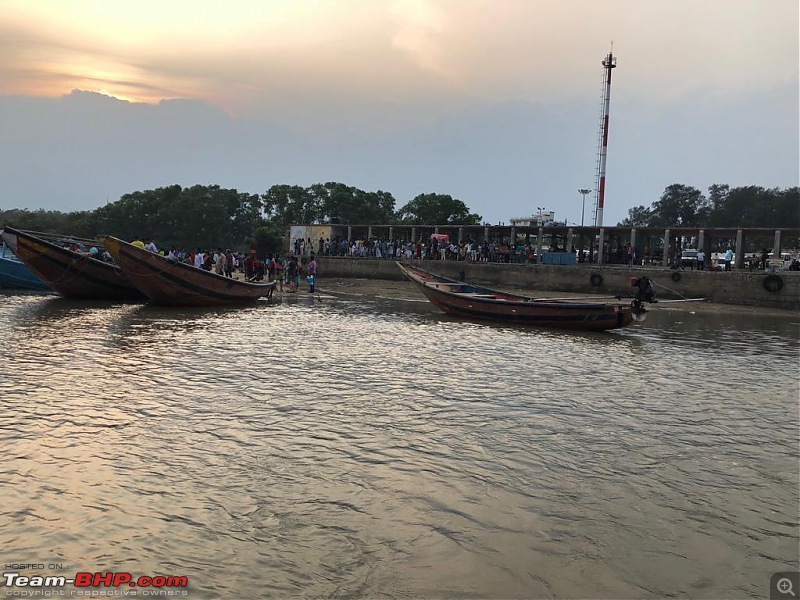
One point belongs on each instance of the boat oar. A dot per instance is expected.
(681, 300)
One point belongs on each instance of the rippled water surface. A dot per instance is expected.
(375, 448)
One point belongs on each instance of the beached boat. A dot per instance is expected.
(15, 274)
(169, 282)
(71, 273)
(475, 302)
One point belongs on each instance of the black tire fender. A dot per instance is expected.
(773, 283)
(596, 280)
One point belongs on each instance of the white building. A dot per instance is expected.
(540, 219)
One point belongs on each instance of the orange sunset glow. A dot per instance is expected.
(493, 101)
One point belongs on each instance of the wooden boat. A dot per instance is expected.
(474, 302)
(15, 274)
(72, 274)
(169, 282)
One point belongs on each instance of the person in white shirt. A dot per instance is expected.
(219, 262)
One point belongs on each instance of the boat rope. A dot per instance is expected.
(661, 285)
(69, 274)
(58, 238)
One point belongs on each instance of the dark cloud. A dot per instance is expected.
(502, 159)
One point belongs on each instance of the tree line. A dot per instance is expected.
(724, 206)
(211, 216)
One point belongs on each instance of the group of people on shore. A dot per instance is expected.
(435, 248)
(286, 272)
(440, 247)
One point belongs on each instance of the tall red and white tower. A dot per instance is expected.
(609, 62)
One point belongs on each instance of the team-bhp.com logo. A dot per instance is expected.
(157, 585)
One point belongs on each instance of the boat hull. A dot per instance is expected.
(484, 304)
(171, 283)
(15, 274)
(71, 274)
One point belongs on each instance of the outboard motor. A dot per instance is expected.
(645, 292)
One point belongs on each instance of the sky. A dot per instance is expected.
(495, 102)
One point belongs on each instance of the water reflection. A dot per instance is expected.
(377, 448)
(157, 323)
(54, 311)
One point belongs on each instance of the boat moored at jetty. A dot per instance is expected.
(474, 302)
(169, 282)
(71, 273)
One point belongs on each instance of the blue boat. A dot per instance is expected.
(15, 274)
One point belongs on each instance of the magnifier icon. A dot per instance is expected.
(784, 586)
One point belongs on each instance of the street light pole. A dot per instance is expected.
(583, 192)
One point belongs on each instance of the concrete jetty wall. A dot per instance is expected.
(746, 288)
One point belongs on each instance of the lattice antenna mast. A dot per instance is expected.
(609, 62)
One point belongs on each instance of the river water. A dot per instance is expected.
(368, 447)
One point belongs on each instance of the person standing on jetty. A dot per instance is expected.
(312, 274)
(291, 273)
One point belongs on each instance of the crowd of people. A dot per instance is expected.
(287, 272)
(435, 248)
(440, 247)
(300, 263)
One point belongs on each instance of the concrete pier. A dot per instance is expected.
(741, 287)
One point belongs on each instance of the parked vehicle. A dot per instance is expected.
(785, 257)
(689, 258)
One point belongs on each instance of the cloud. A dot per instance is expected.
(420, 27)
(502, 159)
(267, 56)
(493, 101)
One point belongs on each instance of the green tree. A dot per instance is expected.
(338, 203)
(757, 207)
(290, 204)
(139, 214)
(199, 216)
(679, 206)
(346, 204)
(43, 221)
(437, 209)
(330, 202)
(638, 216)
(206, 218)
(717, 194)
(244, 213)
(268, 238)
